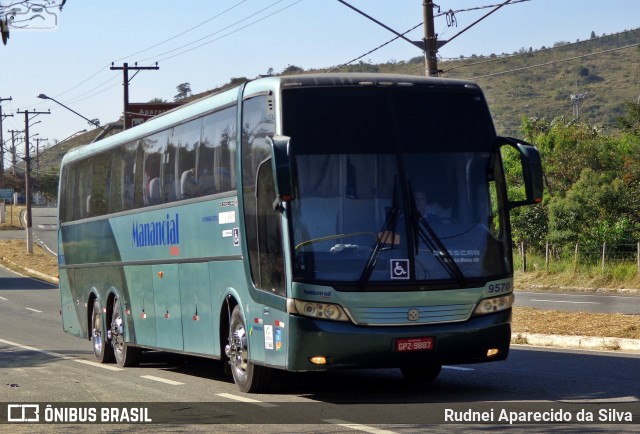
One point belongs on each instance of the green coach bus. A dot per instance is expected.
(304, 223)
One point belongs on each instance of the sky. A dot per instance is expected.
(206, 43)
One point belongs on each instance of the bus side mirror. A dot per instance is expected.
(281, 164)
(531, 171)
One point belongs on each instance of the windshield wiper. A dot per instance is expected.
(426, 233)
(386, 236)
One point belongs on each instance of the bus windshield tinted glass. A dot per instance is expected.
(394, 186)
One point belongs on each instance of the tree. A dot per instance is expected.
(159, 100)
(595, 210)
(184, 90)
(292, 69)
(568, 147)
(630, 123)
(47, 185)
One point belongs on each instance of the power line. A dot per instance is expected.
(542, 50)
(555, 61)
(183, 32)
(221, 30)
(450, 14)
(75, 99)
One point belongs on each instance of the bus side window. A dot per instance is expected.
(186, 138)
(215, 172)
(168, 170)
(270, 276)
(154, 147)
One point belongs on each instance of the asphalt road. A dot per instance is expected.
(605, 303)
(44, 227)
(41, 364)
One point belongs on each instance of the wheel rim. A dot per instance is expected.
(117, 331)
(97, 331)
(238, 351)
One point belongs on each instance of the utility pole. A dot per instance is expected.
(27, 175)
(125, 68)
(38, 140)
(14, 160)
(430, 45)
(1, 139)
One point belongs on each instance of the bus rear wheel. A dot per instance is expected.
(421, 374)
(247, 376)
(125, 354)
(101, 349)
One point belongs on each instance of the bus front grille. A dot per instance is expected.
(384, 316)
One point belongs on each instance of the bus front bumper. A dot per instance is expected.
(344, 345)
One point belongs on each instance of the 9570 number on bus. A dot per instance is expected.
(414, 344)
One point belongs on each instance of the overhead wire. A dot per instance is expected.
(84, 95)
(450, 14)
(526, 53)
(102, 69)
(555, 61)
(221, 30)
(183, 32)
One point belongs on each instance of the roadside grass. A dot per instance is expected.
(583, 275)
(12, 217)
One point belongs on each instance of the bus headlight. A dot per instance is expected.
(314, 309)
(493, 305)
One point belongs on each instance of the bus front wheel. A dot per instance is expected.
(247, 376)
(101, 349)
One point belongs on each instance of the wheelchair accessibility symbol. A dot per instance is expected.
(399, 268)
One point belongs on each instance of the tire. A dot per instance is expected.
(125, 354)
(248, 377)
(101, 349)
(421, 374)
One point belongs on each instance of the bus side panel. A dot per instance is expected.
(142, 305)
(166, 292)
(197, 319)
(267, 328)
(73, 314)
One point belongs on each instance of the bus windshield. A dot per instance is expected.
(404, 192)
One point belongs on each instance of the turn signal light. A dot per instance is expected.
(492, 352)
(318, 360)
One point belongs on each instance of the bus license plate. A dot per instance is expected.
(414, 344)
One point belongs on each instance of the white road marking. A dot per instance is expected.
(248, 400)
(458, 368)
(614, 400)
(33, 310)
(60, 356)
(161, 380)
(98, 365)
(358, 427)
(4, 299)
(564, 301)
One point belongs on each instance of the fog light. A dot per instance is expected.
(318, 360)
(492, 352)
